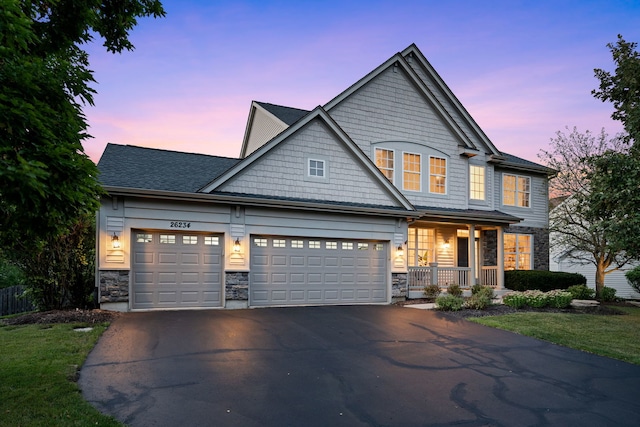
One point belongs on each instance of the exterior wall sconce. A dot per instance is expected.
(115, 241)
(236, 245)
(446, 245)
(399, 251)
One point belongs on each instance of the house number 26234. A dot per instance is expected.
(180, 224)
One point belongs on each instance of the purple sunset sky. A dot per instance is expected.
(523, 69)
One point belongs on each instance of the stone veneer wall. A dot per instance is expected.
(540, 245)
(236, 286)
(114, 285)
(399, 286)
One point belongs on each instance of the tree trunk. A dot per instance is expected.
(600, 269)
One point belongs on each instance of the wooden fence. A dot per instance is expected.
(11, 301)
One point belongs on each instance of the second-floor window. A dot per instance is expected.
(384, 162)
(516, 190)
(476, 182)
(437, 175)
(411, 171)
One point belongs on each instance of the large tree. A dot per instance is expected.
(614, 176)
(47, 182)
(622, 87)
(578, 227)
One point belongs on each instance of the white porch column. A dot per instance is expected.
(472, 255)
(500, 249)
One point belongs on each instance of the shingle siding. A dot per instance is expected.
(535, 216)
(283, 172)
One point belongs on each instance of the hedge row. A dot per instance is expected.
(525, 280)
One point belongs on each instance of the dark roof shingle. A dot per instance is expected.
(152, 169)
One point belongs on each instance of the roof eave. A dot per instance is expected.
(258, 202)
(465, 218)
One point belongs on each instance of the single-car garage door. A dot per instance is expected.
(298, 271)
(176, 269)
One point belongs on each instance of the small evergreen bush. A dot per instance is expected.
(633, 277)
(608, 294)
(524, 280)
(478, 301)
(454, 290)
(581, 292)
(448, 302)
(483, 290)
(431, 291)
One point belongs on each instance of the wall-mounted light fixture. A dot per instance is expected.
(399, 251)
(236, 245)
(446, 245)
(115, 241)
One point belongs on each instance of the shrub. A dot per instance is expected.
(581, 292)
(448, 302)
(608, 294)
(524, 280)
(454, 290)
(482, 290)
(514, 299)
(431, 291)
(479, 301)
(559, 298)
(535, 298)
(633, 277)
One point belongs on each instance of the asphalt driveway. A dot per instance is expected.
(347, 366)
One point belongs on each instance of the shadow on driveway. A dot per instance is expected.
(347, 366)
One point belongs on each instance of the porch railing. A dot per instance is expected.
(419, 277)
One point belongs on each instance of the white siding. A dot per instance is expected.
(263, 129)
(282, 172)
(390, 108)
(615, 279)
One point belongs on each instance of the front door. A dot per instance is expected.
(463, 252)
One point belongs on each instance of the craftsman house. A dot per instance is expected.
(386, 188)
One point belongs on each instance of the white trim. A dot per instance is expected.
(484, 189)
(375, 160)
(446, 176)
(419, 172)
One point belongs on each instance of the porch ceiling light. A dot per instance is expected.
(115, 241)
(236, 245)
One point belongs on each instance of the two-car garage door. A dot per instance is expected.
(176, 269)
(299, 271)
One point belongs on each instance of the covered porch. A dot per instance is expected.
(463, 248)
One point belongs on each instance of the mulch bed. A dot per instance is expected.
(500, 309)
(63, 316)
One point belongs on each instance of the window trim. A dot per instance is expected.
(446, 172)
(484, 183)
(316, 169)
(517, 252)
(516, 191)
(404, 188)
(393, 167)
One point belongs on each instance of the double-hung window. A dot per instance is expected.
(384, 162)
(476, 182)
(437, 175)
(516, 190)
(517, 251)
(411, 171)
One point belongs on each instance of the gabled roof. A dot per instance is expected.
(153, 169)
(318, 113)
(287, 115)
(399, 61)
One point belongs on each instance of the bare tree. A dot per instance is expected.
(572, 235)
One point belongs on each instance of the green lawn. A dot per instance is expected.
(38, 368)
(617, 337)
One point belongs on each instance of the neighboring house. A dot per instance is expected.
(386, 188)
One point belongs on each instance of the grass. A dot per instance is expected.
(610, 336)
(39, 367)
